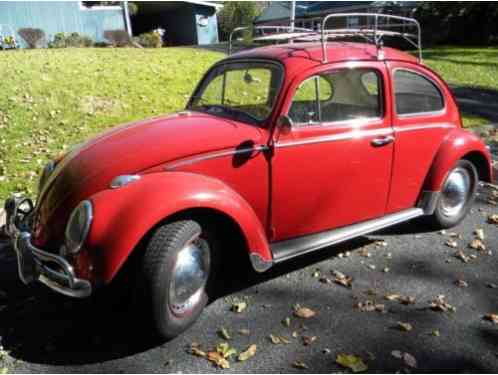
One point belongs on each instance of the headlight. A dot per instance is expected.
(78, 226)
(47, 171)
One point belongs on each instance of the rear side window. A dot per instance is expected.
(416, 94)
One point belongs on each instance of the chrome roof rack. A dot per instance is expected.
(376, 27)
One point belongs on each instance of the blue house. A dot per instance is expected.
(185, 22)
(64, 16)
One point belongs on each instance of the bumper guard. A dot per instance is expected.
(35, 264)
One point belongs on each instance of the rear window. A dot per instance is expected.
(416, 94)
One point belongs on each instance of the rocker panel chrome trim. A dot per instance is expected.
(288, 249)
(258, 263)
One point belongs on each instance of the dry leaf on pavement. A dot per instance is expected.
(224, 333)
(439, 304)
(238, 307)
(478, 245)
(307, 340)
(479, 232)
(248, 353)
(352, 362)
(407, 327)
(461, 283)
(461, 255)
(300, 365)
(493, 219)
(369, 306)
(451, 243)
(218, 360)
(342, 279)
(492, 318)
(304, 312)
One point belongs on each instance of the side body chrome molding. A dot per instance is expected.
(288, 249)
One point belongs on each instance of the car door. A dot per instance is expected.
(333, 167)
(423, 114)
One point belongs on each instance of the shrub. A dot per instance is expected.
(118, 38)
(63, 40)
(33, 37)
(150, 40)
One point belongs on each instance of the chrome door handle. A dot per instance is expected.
(377, 142)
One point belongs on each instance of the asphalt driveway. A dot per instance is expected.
(43, 332)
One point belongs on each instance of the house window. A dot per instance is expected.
(353, 22)
(99, 5)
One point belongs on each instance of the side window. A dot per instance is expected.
(343, 95)
(415, 94)
(357, 95)
(305, 108)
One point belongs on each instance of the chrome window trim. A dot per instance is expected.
(234, 60)
(213, 155)
(417, 114)
(423, 127)
(321, 123)
(353, 134)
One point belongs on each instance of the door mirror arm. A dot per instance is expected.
(283, 126)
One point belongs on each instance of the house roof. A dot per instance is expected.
(278, 10)
(206, 3)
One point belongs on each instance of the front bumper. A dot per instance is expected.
(35, 264)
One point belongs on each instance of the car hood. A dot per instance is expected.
(129, 149)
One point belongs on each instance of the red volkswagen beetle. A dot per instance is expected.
(288, 149)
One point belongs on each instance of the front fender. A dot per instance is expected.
(457, 145)
(122, 217)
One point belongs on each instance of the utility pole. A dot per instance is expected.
(127, 18)
(293, 15)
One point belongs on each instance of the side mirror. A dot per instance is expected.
(284, 124)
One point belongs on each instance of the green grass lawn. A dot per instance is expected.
(51, 99)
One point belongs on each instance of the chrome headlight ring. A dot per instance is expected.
(47, 171)
(78, 227)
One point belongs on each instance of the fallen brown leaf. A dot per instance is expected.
(244, 332)
(461, 283)
(410, 360)
(304, 312)
(218, 360)
(478, 245)
(369, 306)
(479, 232)
(461, 255)
(452, 243)
(307, 340)
(342, 279)
(493, 219)
(238, 307)
(300, 365)
(248, 353)
(224, 334)
(439, 304)
(352, 362)
(492, 318)
(407, 327)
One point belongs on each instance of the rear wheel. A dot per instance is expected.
(176, 269)
(457, 195)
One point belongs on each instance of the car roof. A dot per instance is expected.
(306, 55)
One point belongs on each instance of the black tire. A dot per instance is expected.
(158, 269)
(446, 216)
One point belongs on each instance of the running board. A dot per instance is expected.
(288, 249)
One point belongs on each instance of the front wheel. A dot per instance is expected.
(457, 195)
(176, 270)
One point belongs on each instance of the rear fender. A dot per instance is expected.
(122, 217)
(458, 144)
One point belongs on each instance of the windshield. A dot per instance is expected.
(244, 91)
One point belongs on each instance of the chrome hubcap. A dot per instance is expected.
(455, 192)
(190, 275)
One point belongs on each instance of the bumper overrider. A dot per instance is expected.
(35, 264)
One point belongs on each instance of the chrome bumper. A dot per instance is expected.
(35, 264)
